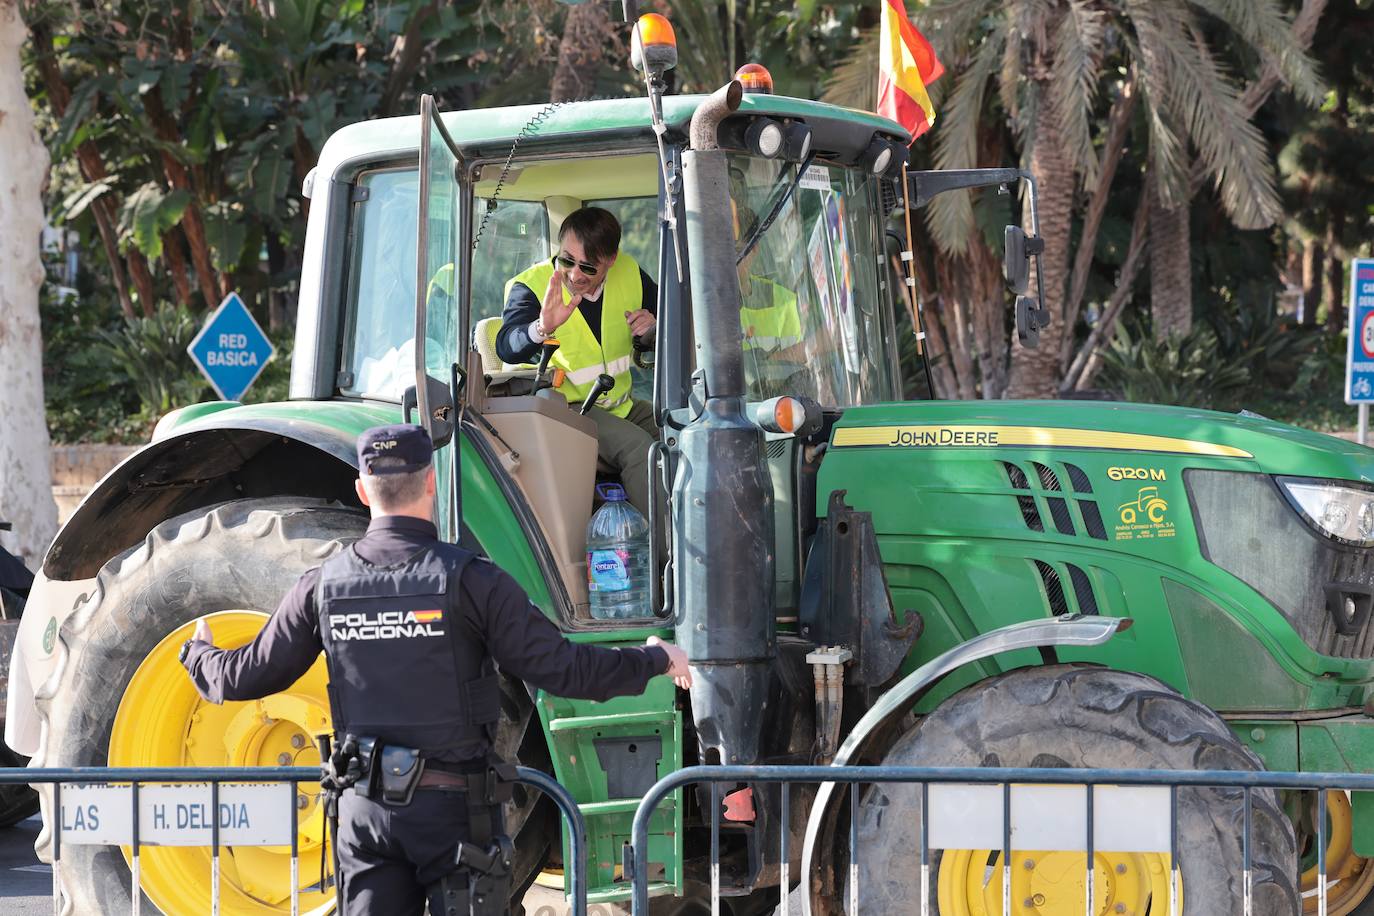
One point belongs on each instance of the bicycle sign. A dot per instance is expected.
(1359, 363)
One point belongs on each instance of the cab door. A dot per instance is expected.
(441, 320)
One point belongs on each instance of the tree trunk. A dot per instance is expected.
(25, 474)
(1313, 262)
(1035, 373)
(177, 177)
(585, 35)
(1171, 274)
(1335, 272)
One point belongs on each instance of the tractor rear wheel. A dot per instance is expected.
(123, 699)
(1078, 716)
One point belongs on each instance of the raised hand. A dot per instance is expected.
(553, 312)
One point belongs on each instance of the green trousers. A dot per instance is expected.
(622, 446)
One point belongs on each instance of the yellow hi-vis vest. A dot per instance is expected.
(580, 357)
(769, 316)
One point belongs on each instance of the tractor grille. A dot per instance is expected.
(1048, 491)
(1249, 530)
(1052, 580)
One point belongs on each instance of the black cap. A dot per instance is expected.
(400, 449)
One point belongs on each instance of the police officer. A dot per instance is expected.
(412, 629)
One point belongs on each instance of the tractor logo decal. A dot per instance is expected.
(1145, 517)
(921, 436)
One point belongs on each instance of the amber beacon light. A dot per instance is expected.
(653, 46)
(755, 79)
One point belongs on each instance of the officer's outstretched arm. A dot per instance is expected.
(527, 645)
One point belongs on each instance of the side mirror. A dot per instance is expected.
(1030, 320)
(1018, 249)
(440, 421)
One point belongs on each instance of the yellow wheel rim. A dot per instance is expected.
(162, 721)
(1053, 883)
(1349, 878)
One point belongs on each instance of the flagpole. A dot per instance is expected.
(908, 259)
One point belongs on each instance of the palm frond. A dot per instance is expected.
(1232, 149)
(1073, 84)
(855, 81)
(950, 216)
(1168, 151)
(1262, 25)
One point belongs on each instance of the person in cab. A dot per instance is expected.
(595, 300)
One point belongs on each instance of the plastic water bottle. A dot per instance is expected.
(618, 558)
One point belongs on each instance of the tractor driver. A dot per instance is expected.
(594, 299)
(412, 628)
(769, 320)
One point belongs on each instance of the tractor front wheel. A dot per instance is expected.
(1078, 716)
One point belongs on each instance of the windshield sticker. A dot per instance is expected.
(815, 178)
(844, 275)
(819, 257)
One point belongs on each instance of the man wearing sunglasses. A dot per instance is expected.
(595, 299)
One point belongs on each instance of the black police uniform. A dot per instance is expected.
(381, 611)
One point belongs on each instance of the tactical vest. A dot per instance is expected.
(769, 316)
(579, 355)
(400, 667)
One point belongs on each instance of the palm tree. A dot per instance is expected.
(1047, 66)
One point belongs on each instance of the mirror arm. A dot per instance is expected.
(923, 186)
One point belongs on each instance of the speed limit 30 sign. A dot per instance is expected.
(1359, 362)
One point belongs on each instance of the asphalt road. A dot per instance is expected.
(25, 883)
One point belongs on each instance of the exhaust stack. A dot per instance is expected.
(722, 495)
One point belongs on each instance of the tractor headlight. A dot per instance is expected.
(1341, 510)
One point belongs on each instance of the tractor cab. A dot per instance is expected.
(817, 317)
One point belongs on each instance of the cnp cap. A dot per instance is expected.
(399, 449)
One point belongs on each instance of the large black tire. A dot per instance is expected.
(239, 555)
(1083, 716)
(17, 801)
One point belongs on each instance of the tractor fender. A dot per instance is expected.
(1074, 630)
(213, 459)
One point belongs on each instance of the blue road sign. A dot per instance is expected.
(231, 349)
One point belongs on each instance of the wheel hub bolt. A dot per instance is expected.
(1121, 907)
(1038, 900)
(302, 802)
(283, 759)
(1029, 864)
(1121, 868)
(298, 741)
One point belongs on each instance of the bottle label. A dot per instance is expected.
(608, 570)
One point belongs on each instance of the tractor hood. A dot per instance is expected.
(1243, 442)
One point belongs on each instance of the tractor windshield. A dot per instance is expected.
(814, 315)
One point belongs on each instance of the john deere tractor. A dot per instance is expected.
(822, 538)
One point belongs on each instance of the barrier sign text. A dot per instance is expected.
(250, 814)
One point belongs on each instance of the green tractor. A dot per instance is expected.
(823, 539)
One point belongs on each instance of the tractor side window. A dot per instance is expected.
(379, 327)
(515, 236)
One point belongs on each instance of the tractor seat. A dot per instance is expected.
(496, 371)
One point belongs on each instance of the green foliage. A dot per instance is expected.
(151, 353)
(1186, 371)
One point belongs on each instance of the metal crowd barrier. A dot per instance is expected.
(637, 854)
(135, 778)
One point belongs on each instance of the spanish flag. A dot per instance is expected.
(906, 65)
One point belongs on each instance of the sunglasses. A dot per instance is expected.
(568, 263)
